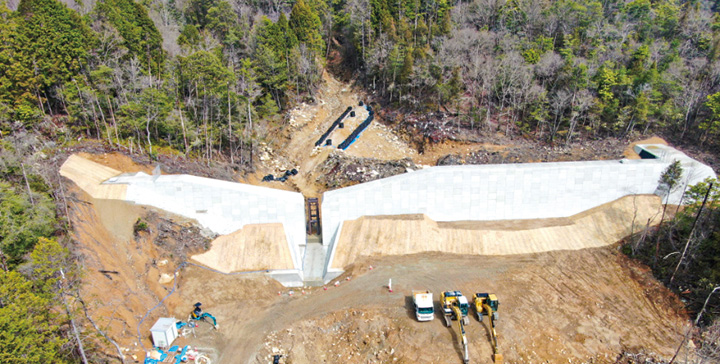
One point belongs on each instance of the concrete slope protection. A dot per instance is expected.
(506, 191)
(474, 194)
(275, 235)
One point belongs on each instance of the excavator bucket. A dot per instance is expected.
(497, 358)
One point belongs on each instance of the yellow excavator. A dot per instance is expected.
(487, 305)
(455, 306)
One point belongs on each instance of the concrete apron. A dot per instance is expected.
(314, 262)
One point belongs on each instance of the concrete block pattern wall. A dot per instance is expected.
(492, 192)
(221, 206)
(501, 192)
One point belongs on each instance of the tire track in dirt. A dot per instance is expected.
(554, 307)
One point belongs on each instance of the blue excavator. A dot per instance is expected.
(198, 315)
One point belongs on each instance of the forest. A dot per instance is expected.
(211, 79)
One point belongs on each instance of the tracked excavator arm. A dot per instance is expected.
(461, 329)
(497, 357)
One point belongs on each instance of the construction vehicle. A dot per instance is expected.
(199, 315)
(424, 308)
(487, 305)
(455, 306)
(449, 299)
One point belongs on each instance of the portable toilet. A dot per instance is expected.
(164, 332)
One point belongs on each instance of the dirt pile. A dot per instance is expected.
(176, 235)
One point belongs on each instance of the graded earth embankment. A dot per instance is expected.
(410, 234)
(89, 176)
(254, 247)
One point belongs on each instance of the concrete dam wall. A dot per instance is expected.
(506, 191)
(264, 229)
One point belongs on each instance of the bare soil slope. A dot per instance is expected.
(409, 234)
(117, 300)
(254, 247)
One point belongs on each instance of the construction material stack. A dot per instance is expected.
(487, 305)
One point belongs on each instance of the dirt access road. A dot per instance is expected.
(307, 122)
(559, 307)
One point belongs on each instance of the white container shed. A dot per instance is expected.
(164, 332)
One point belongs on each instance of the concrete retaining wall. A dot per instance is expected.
(221, 206)
(506, 191)
(449, 193)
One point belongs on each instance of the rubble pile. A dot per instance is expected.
(533, 154)
(340, 170)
